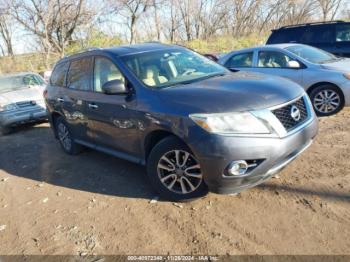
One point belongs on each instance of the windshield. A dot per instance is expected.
(313, 55)
(11, 83)
(166, 68)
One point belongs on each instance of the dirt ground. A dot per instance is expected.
(51, 203)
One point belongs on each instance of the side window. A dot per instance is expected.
(240, 60)
(288, 35)
(343, 33)
(318, 35)
(79, 76)
(59, 74)
(105, 71)
(272, 59)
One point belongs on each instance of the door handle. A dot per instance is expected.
(93, 106)
(60, 100)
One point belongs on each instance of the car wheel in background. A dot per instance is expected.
(174, 171)
(327, 100)
(65, 137)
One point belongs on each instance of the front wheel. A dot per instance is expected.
(327, 100)
(175, 172)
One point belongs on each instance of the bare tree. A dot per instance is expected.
(131, 11)
(6, 31)
(52, 21)
(329, 8)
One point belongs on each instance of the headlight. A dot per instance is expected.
(347, 76)
(8, 107)
(231, 123)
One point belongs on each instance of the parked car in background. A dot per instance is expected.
(189, 120)
(325, 77)
(21, 100)
(333, 37)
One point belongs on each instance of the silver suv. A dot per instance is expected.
(21, 100)
(325, 76)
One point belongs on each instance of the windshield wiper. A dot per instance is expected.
(195, 80)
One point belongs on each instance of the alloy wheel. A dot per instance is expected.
(64, 137)
(179, 172)
(327, 101)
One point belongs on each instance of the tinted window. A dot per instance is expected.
(343, 33)
(273, 59)
(79, 76)
(59, 74)
(240, 60)
(105, 71)
(290, 35)
(318, 34)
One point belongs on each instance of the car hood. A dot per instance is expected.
(341, 65)
(231, 93)
(33, 93)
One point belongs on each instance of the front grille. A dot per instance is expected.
(284, 114)
(23, 104)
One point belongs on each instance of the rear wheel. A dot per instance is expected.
(65, 137)
(327, 100)
(174, 171)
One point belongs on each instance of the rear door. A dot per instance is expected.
(110, 117)
(56, 87)
(79, 87)
(276, 63)
(343, 39)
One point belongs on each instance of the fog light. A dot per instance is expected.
(237, 168)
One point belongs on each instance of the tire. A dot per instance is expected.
(182, 179)
(327, 100)
(65, 137)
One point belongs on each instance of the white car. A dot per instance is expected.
(21, 100)
(325, 77)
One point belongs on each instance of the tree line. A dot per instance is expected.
(55, 25)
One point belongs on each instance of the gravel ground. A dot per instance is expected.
(52, 203)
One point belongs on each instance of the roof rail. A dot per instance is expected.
(83, 51)
(313, 23)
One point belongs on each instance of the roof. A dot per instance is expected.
(311, 24)
(126, 49)
(250, 49)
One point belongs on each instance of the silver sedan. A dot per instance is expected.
(325, 77)
(21, 100)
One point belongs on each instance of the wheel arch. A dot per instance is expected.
(311, 88)
(154, 137)
(54, 116)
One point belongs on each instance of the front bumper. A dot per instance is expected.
(216, 152)
(22, 116)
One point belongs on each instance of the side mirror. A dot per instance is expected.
(294, 64)
(114, 87)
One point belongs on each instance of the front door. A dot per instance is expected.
(110, 117)
(277, 63)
